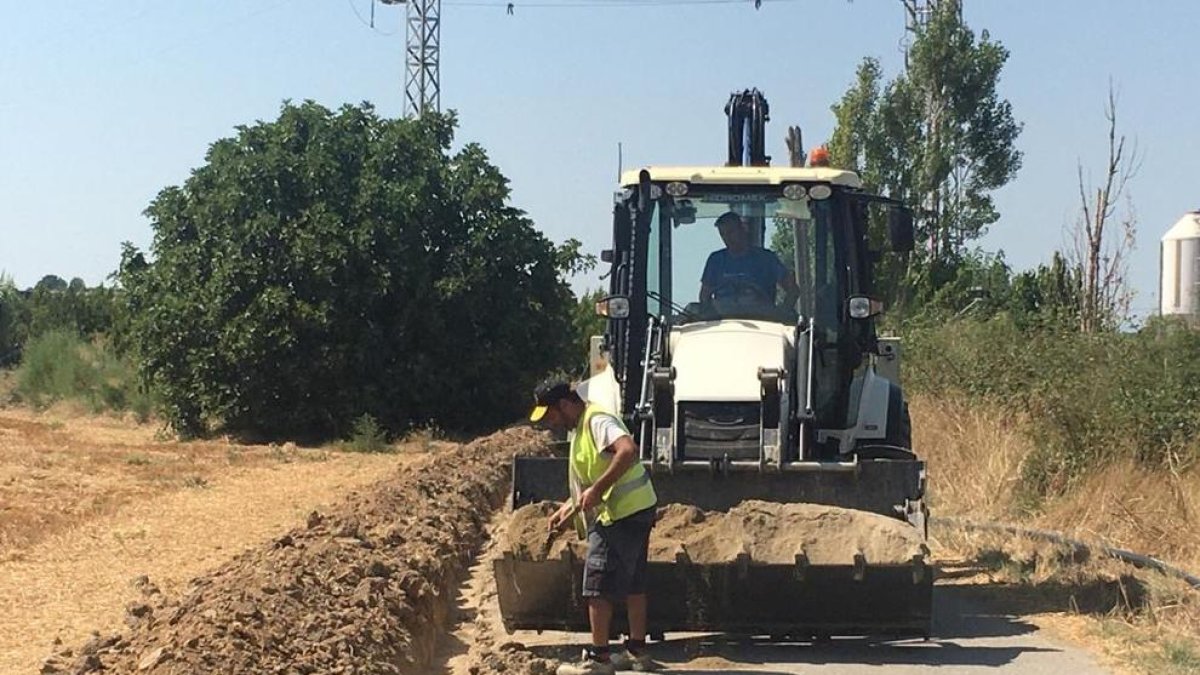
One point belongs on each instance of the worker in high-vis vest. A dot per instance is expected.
(614, 493)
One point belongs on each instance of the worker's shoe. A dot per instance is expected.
(641, 663)
(591, 664)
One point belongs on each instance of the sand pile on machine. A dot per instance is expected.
(766, 532)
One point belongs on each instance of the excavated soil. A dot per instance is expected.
(766, 531)
(367, 587)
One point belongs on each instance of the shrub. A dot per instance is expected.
(1092, 397)
(58, 366)
(367, 436)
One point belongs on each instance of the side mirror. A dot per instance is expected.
(900, 229)
(684, 212)
(862, 307)
(614, 307)
(606, 255)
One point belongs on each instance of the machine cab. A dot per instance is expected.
(741, 343)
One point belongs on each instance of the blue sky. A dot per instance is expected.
(104, 104)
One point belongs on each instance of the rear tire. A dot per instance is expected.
(899, 424)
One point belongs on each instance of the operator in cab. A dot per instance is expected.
(742, 271)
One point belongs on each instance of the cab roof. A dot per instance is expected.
(744, 175)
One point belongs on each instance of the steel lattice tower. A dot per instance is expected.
(422, 81)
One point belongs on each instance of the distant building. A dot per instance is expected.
(1179, 269)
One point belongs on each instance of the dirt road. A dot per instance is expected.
(967, 638)
(974, 631)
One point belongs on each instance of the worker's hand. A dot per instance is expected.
(560, 517)
(589, 498)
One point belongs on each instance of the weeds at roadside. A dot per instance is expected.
(131, 535)
(198, 482)
(137, 460)
(1181, 655)
(280, 454)
(367, 436)
(58, 366)
(427, 437)
(1141, 618)
(313, 456)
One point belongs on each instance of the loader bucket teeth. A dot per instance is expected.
(801, 566)
(919, 570)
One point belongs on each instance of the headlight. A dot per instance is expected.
(862, 307)
(614, 307)
(820, 192)
(794, 192)
(677, 189)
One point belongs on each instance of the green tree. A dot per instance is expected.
(1047, 297)
(56, 305)
(938, 136)
(12, 309)
(328, 265)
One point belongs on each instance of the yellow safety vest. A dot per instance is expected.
(631, 493)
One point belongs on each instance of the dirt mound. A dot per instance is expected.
(768, 532)
(528, 538)
(367, 587)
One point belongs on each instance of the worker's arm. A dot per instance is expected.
(709, 278)
(791, 291)
(624, 455)
(786, 280)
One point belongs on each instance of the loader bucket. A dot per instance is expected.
(798, 600)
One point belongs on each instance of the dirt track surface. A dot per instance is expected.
(365, 587)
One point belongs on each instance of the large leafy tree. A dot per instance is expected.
(331, 264)
(938, 136)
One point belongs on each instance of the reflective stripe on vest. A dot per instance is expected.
(631, 493)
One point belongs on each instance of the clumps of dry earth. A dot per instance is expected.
(767, 532)
(367, 587)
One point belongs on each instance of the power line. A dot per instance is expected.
(363, 20)
(581, 4)
(422, 86)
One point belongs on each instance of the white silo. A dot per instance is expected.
(1179, 272)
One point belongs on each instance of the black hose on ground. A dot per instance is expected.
(1078, 547)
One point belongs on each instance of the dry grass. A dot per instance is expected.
(87, 504)
(61, 468)
(1149, 623)
(974, 456)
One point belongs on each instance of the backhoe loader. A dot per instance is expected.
(739, 396)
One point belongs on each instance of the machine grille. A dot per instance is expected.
(714, 430)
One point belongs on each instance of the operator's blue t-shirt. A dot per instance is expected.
(757, 266)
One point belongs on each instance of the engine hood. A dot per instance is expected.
(719, 360)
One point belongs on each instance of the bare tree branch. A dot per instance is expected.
(1100, 254)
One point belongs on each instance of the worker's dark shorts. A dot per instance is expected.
(616, 559)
